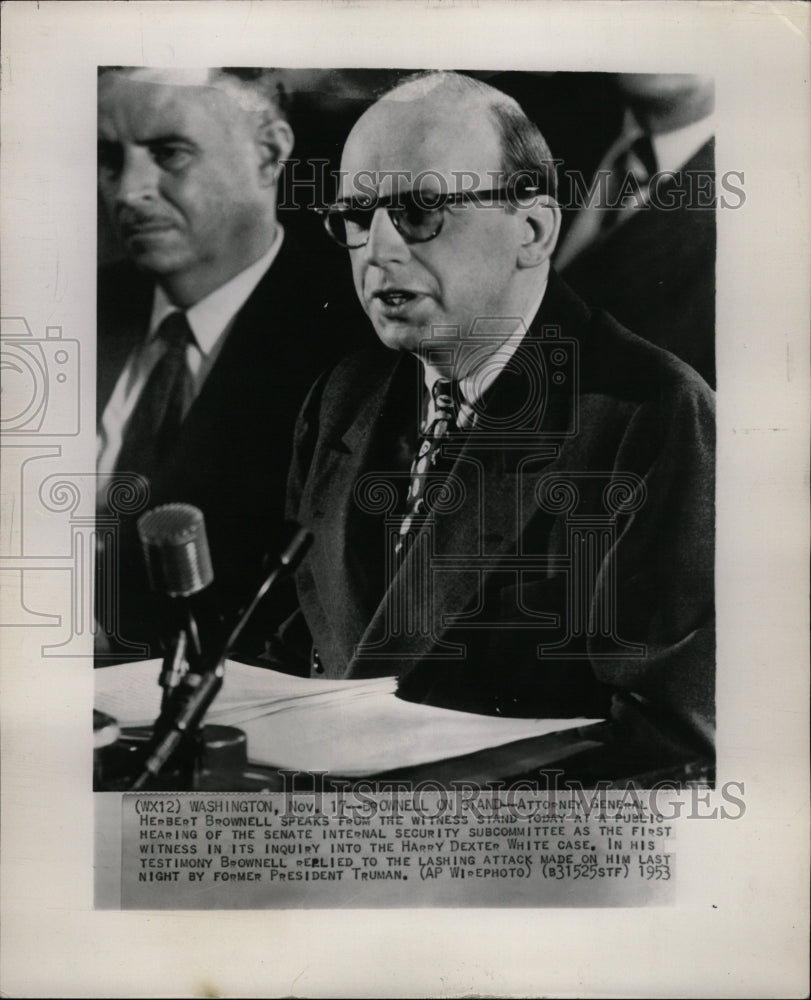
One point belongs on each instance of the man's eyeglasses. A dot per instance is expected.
(417, 217)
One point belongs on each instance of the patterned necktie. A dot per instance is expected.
(429, 460)
(155, 423)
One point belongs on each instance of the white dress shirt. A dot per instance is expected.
(211, 320)
(674, 149)
(487, 366)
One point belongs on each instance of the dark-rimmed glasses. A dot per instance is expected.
(418, 217)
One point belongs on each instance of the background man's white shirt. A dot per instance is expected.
(211, 320)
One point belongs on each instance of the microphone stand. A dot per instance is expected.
(185, 708)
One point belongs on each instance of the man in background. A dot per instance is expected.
(511, 496)
(642, 244)
(209, 333)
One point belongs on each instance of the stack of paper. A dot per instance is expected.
(352, 727)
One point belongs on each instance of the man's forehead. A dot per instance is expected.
(396, 141)
(142, 108)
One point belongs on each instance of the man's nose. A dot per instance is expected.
(385, 244)
(138, 181)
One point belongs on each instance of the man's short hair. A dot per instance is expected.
(526, 157)
(265, 83)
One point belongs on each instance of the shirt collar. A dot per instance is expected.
(674, 149)
(210, 317)
(473, 386)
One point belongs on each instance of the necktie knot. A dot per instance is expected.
(445, 394)
(628, 181)
(642, 150)
(175, 330)
(635, 163)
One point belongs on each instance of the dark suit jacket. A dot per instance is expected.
(539, 600)
(656, 272)
(234, 449)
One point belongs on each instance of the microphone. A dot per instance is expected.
(185, 706)
(178, 564)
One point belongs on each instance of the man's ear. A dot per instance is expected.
(541, 226)
(274, 139)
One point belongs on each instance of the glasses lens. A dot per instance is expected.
(343, 230)
(418, 218)
(356, 227)
(348, 227)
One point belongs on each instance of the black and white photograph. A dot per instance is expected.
(509, 495)
(389, 434)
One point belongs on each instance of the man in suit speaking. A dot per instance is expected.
(207, 342)
(511, 496)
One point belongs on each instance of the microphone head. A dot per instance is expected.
(173, 537)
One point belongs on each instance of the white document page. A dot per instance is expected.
(352, 727)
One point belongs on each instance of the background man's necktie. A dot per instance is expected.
(155, 423)
(620, 186)
(428, 461)
(628, 181)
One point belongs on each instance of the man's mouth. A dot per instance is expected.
(145, 227)
(394, 298)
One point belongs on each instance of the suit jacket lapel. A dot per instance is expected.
(498, 473)
(342, 498)
(259, 340)
(123, 317)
